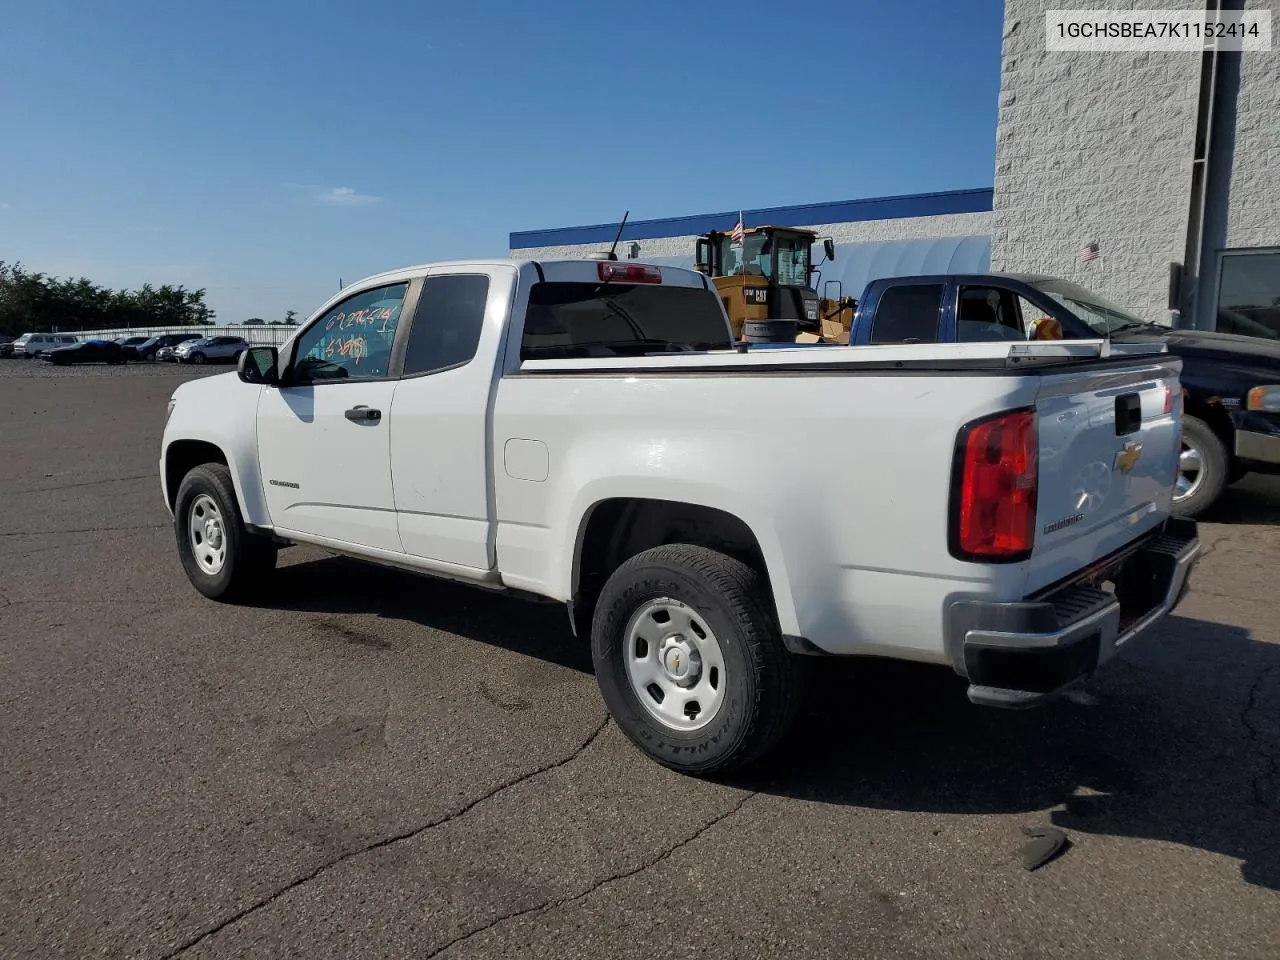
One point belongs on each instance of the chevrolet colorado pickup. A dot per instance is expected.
(586, 432)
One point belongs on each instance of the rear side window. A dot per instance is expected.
(447, 323)
(908, 312)
(620, 320)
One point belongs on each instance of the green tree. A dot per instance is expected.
(36, 302)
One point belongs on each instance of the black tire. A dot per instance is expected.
(771, 331)
(249, 558)
(761, 696)
(197, 357)
(1215, 466)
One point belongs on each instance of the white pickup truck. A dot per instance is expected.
(585, 432)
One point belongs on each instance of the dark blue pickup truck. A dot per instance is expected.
(1231, 383)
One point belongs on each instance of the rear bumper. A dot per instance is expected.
(1022, 653)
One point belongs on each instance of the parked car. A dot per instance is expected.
(211, 350)
(585, 432)
(150, 349)
(129, 344)
(6, 346)
(87, 351)
(1231, 383)
(32, 345)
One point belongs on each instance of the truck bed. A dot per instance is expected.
(847, 473)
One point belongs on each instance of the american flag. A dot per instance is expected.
(739, 231)
(1089, 252)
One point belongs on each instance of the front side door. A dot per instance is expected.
(323, 435)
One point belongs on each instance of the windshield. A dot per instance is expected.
(1103, 317)
(782, 258)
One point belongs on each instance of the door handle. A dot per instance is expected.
(363, 414)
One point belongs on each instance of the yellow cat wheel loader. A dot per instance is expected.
(771, 276)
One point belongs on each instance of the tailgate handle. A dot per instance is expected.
(1128, 414)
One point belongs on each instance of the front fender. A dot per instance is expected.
(221, 412)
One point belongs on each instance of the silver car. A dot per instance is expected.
(210, 350)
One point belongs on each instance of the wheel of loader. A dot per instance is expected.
(770, 331)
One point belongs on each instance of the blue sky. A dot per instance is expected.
(263, 150)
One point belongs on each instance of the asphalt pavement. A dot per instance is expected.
(365, 763)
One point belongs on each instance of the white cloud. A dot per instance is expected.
(334, 196)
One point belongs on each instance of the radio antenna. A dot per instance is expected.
(613, 250)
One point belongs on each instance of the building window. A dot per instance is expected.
(1249, 293)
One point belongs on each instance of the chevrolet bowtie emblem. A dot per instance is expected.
(1128, 457)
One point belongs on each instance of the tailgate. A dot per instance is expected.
(1109, 443)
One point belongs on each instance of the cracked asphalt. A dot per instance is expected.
(369, 764)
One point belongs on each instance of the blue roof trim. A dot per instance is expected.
(848, 211)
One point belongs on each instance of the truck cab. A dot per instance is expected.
(963, 308)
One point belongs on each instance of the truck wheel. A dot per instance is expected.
(222, 559)
(1202, 469)
(689, 660)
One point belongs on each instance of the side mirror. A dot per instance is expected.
(258, 365)
(829, 248)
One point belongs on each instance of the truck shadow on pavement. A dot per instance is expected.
(1256, 499)
(336, 585)
(1178, 740)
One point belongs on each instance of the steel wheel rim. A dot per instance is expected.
(207, 534)
(1190, 472)
(674, 664)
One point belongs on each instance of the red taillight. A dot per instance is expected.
(613, 272)
(994, 517)
(1168, 399)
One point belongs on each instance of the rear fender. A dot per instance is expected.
(565, 565)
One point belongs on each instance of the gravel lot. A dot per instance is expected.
(370, 764)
